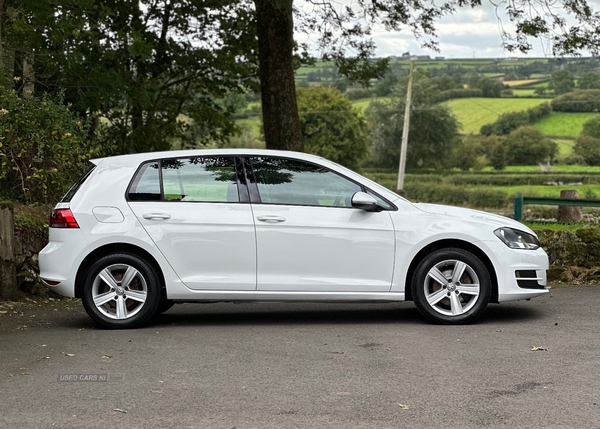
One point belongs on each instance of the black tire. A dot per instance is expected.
(121, 291)
(453, 298)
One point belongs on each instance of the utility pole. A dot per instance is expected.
(405, 128)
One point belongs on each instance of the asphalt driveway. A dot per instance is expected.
(525, 364)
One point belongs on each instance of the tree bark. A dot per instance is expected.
(28, 76)
(2, 33)
(569, 213)
(8, 270)
(281, 122)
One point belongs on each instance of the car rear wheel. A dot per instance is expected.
(121, 291)
(451, 286)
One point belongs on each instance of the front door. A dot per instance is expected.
(309, 237)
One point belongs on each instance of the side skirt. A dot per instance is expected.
(270, 296)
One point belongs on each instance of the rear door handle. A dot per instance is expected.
(156, 216)
(271, 218)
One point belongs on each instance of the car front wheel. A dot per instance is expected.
(451, 286)
(121, 291)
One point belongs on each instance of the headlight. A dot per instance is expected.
(516, 239)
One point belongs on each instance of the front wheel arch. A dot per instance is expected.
(444, 244)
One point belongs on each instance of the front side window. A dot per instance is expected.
(292, 182)
(205, 179)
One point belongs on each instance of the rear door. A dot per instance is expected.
(197, 212)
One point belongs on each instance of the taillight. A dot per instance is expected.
(63, 218)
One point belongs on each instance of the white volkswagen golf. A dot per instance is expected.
(141, 232)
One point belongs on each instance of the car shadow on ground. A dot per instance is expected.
(260, 314)
(223, 314)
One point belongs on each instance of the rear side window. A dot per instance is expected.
(204, 179)
(73, 190)
(200, 179)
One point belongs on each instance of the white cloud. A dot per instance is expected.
(466, 34)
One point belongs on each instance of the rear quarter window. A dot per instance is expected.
(146, 184)
(73, 190)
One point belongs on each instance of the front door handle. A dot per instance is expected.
(156, 216)
(271, 218)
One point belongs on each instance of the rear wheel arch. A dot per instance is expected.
(113, 248)
(444, 244)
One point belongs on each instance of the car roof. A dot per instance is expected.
(137, 158)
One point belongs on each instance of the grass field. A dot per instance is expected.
(545, 191)
(254, 124)
(512, 83)
(524, 92)
(565, 147)
(563, 124)
(363, 104)
(473, 113)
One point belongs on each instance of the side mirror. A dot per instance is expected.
(364, 201)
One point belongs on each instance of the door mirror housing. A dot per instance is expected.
(366, 202)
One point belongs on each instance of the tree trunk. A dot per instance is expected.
(8, 270)
(569, 213)
(275, 24)
(28, 76)
(2, 33)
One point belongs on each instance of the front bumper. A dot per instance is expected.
(521, 273)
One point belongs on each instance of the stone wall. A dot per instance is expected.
(27, 246)
(574, 255)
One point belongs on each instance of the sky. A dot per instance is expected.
(470, 33)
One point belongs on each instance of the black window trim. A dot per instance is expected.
(242, 186)
(255, 195)
(68, 196)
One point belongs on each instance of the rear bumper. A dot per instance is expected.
(58, 260)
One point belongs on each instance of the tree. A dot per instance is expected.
(469, 154)
(331, 127)
(489, 87)
(338, 28)
(588, 148)
(529, 146)
(144, 58)
(44, 148)
(561, 82)
(591, 127)
(154, 69)
(433, 127)
(590, 80)
(385, 86)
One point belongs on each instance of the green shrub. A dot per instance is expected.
(488, 198)
(585, 100)
(592, 128)
(458, 93)
(588, 148)
(446, 193)
(43, 150)
(529, 146)
(510, 121)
